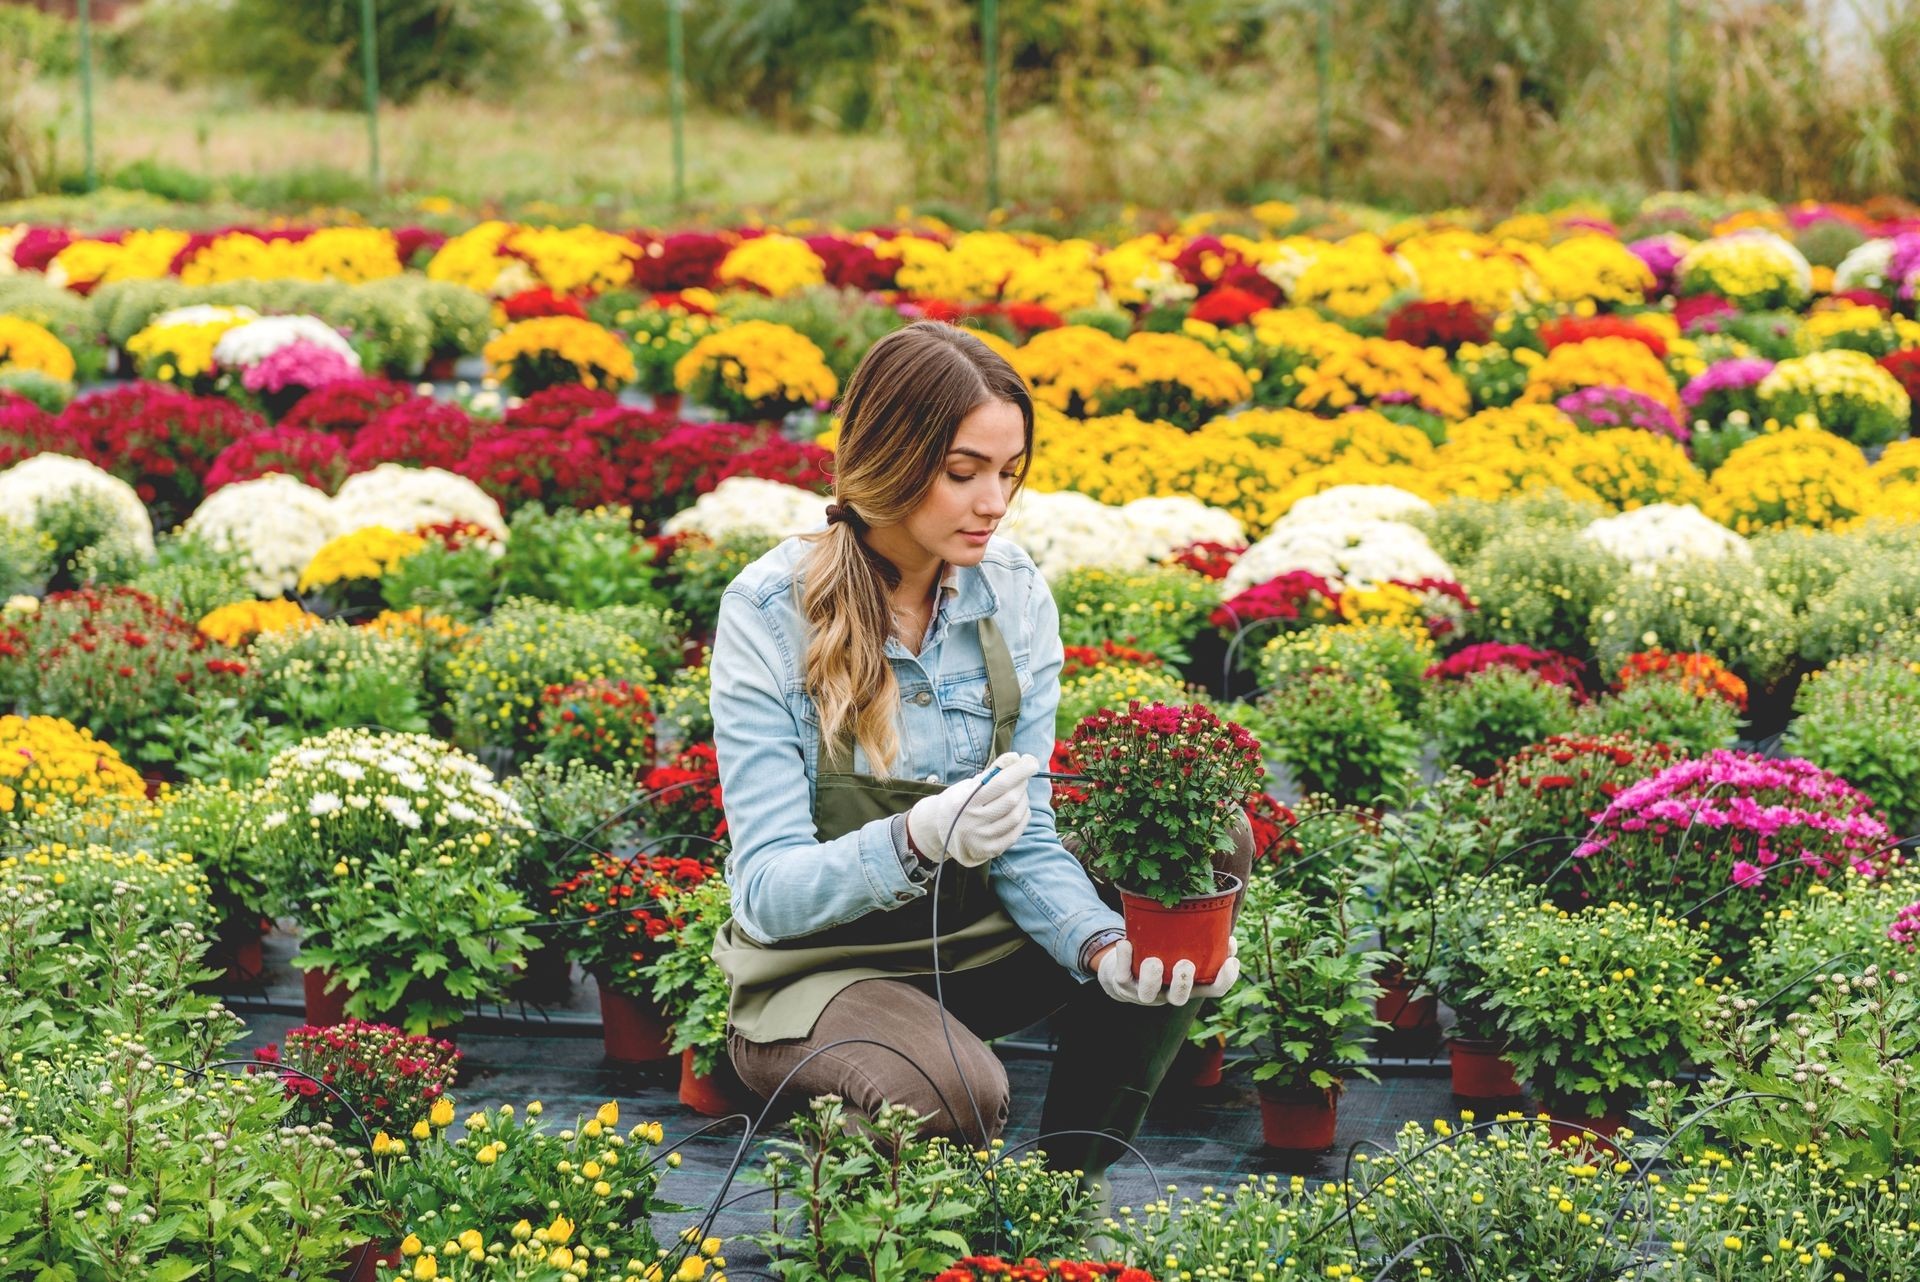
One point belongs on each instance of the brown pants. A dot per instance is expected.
(1110, 1060)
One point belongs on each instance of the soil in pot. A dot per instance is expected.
(1298, 1119)
(1481, 1071)
(1195, 929)
(633, 1028)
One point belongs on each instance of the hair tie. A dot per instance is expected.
(838, 512)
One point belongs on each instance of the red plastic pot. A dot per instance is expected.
(667, 402)
(1398, 1008)
(326, 1006)
(247, 960)
(439, 369)
(1195, 929)
(1298, 1119)
(634, 1030)
(1570, 1124)
(715, 1095)
(365, 1261)
(1481, 1071)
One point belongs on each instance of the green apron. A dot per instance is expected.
(780, 989)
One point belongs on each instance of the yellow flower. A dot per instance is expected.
(27, 346)
(598, 357)
(410, 1246)
(608, 1114)
(779, 265)
(756, 367)
(367, 553)
(425, 1268)
(421, 1130)
(441, 1114)
(560, 1230)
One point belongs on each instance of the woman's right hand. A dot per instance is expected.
(971, 821)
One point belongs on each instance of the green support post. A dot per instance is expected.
(1673, 95)
(677, 96)
(990, 50)
(86, 88)
(370, 73)
(1322, 63)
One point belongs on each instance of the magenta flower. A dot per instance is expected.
(300, 364)
(1906, 927)
(1740, 374)
(1746, 875)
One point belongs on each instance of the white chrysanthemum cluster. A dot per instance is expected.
(1065, 530)
(253, 342)
(406, 498)
(1866, 266)
(202, 314)
(355, 792)
(30, 486)
(1648, 536)
(747, 504)
(1169, 524)
(1359, 503)
(276, 522)
(1341, 544)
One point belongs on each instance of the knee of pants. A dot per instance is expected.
(980, 1074)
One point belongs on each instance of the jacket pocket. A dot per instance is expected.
(968, 712)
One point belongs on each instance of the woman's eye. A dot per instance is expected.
(955, 476)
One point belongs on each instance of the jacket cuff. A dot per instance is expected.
(880, 859)
(916, 869)
(1111, 935)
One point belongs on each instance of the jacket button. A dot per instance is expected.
(902, 896)
(933, 778)
(923, 698)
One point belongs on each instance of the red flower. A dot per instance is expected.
(419, 433)
(1227, 305)
(1575, 329)
(541, 301)
(158, 439)
(317, 458)
(1550, 666)
(559, 407)
(345, 407)
(1433, 324)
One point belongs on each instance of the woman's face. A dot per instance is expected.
(969, 496)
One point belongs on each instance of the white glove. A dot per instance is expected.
(1116, 976)
(991, 816)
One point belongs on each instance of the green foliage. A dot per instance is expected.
(1155, 610)
(1840, 924)
(1536, 586)
(1722, 607)
(1395, 656)
(1465, 909)
(1595, 1005)
(1110, 687)
(334, 675)
(843, 323)
(1860, 718)
(1664, 710)
(1304, 1002)
(192, 577)
(581, 560)
(459, 320)
(457, 582)
(1879, 595)
(1491, 714)
(875, 1200)
(1343, 736)
(309, 50)
(575, 809)
(689, 985)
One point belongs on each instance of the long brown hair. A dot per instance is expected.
(898, 419)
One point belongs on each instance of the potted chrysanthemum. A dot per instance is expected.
(1166, 786)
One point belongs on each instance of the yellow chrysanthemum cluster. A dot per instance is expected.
(348, 255)
(500, 259)
(1755, 269)
(1842, 390)
(1373, 369)
(1141, 271)
(1353, 277)
(1502, 453)
(169, 887)
(759, 363)
(47, 762)
(774, 264)
(1602, 362)
(598, 357)
(183, 351)
(1629, 468)
(27, 346)
(366, 553)
(970, 270)
(143, 254)
(1062, 276)
(1796, 476)
(1084, 371)
(1457, 266)
(240, 622)
(1859, 326)
(1593, 268)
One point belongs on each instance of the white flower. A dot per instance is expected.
(253, 342)
(461, 811)
(1648, 536)
(349, 771)
(202, 314)
(1350, 502)
(323, 803)
(1169, 524)
(406, 498)
(276, 522)
(1065, 530)
(1765, 243)
(411, 780)
(403, 814)
(1865, 266)
(274, 820)
(743, 504)
(1348, 551)
(30, 486)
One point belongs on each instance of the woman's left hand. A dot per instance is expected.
(1113, 968)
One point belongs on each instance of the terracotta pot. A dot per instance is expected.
(440, 368)
(712, 1096)
(243, 959)
(1398, 1008)
(1568, 1119)
(325, 1007)
(667, 402)
(1298, 1119)
(364, 1262)
(1481, 1070)
(633, 1028)
(1196, 929)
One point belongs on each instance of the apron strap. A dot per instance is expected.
(1003, 696)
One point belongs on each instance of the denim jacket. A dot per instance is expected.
(786, 884)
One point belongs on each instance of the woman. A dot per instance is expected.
(883, 694)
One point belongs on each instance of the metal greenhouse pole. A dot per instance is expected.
(990, 50)
(86, 87)
(370, 73)
(677, 96)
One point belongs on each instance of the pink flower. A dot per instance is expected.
(1746, 875)
(299, 364)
